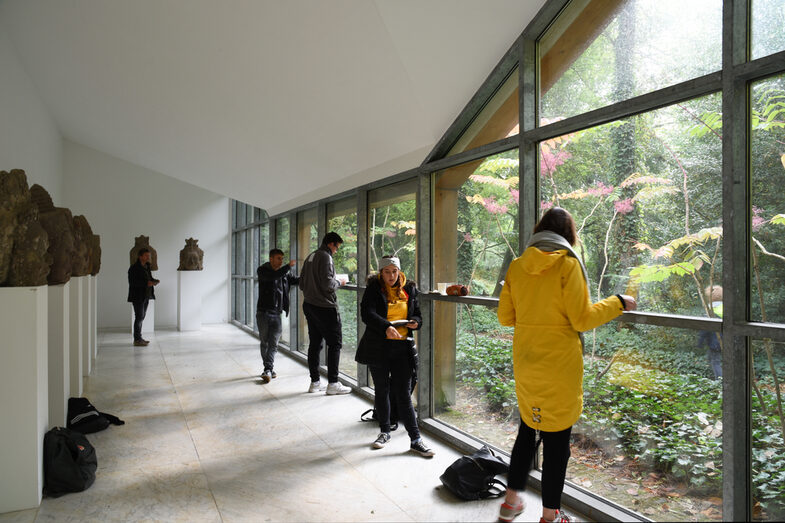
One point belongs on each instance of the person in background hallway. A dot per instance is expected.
(713, 340)
(389, 349)
(320, 306)
(140, 291)
(546, 298)
(274, 284)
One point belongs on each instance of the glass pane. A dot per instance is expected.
(282, 234)
(392, 224)
(250, 266)
(646, 196)
(342, 218)
(264, 243)
(241, 256)
(250, 304)
(768, 27)
(234, 253)
(286, 326)
(239, 304)
(283, 243)
(255, 298)
(235, 203)
(249, 214)
(347, 304)
(767, 167)
(768, 431)
(475, 232)
(307, 242)
(497, 120)
(257, 250)
(599, 52)
(241, 213)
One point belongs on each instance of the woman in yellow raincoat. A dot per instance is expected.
(546, 298)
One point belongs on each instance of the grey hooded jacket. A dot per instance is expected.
(317, 279)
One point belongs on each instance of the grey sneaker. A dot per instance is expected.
(422, 449)
(382, 439)
(337, 388)
(316, 386)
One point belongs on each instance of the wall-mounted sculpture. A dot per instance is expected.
(144, 241)
(191, 257)
(83, 237)
(95, 255)
(59, 226)
(24, 260)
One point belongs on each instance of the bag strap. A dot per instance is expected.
(496, 488)
(114, 420)
(368, 413)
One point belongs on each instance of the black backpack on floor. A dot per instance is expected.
(69, 462)
(84, 417)
(474, 477)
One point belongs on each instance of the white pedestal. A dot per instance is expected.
(87, 324)
(23, 387)
(94, 319)
(189, 300)
(59, 355)
(76, 335)
(148, 325)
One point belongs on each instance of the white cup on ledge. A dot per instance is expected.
(442, 288)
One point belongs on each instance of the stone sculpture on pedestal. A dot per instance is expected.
(144, 241)
(83, 237)
(24, 260)
(59, 225)
(191, 257)
(95, 257)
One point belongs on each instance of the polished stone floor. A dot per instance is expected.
(205, 440)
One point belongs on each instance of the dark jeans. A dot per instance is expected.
(555, 453)
(269, 323)
(140, 309)
(392, 383)
(324, 323)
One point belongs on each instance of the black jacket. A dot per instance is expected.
(138, 276)
(317, 279)
(274, 288)
(373, 310)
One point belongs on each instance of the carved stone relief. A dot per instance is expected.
(191, 257)
(144, 241)
(95, 258)
(83, 237)
(59, 226)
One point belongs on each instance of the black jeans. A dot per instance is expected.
(555, 453)
(392, 383)
(140, 309)
(269, 323)
(324, 323)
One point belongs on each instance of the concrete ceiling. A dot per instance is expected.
(272, 102)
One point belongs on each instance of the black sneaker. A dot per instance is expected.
(266, 376)
(273, 374)
(422, 449)
(382, 439)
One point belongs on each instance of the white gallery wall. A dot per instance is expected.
(121, 201)
(29, 138)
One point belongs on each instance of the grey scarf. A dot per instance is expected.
(550, 241)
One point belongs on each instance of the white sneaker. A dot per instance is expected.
(316, 386)
(337, 388)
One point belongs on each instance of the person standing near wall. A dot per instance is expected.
(140, 291)
(320, 306)
(546, 298)
(274, 284)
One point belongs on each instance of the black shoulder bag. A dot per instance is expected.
(474, 477)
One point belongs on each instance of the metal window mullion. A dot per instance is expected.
(736, 412)
(528, 165)
(488, 149)
(362, 273)
(424, 262)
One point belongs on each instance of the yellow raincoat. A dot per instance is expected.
(546, 299)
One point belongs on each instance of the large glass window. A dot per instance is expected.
(768, 431)
(342, 218)
(307, 242)
(497, 120)
(475, 232)
(599, 52)
(768, 21)
(392, 226)
(646, 195)
(283, 242)
(767, 160)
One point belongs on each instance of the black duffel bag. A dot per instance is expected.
(474, 477)
(84, 417)
(69, 462)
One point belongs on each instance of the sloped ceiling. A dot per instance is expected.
(272, 102)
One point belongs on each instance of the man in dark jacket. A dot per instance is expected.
(320, 306)
(140, 292)
(274, 282)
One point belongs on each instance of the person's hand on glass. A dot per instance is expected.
(629, 302)
(292, 262)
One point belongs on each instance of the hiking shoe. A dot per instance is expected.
(140, 343)
(422, 449)
(381, 440)
(273, 374)
(560, 517)
(337, 388)
(509, 512)
(266, 376)
(316, 386)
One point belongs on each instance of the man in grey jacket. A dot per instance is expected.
(320, 306)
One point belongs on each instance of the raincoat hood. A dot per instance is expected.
(536, 262)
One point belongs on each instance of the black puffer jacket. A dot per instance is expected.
(274, 288)
(373, 310)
